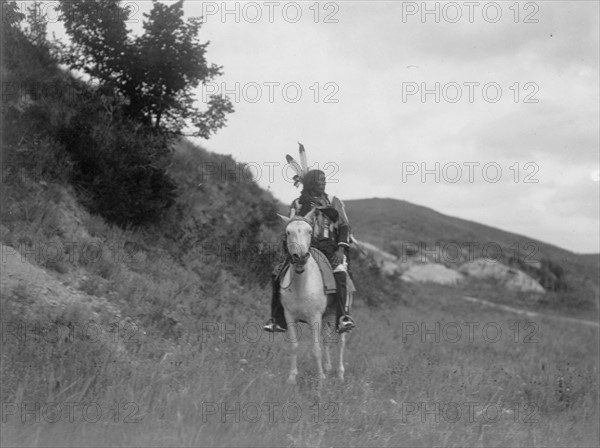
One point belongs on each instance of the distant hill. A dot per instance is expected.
(392, 219)
(591, 258)
(399, 226)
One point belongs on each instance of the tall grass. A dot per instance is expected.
(208, 390)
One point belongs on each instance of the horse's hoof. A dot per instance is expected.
(340, 376)
(291, 380)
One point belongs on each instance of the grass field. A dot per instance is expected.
(535, 384)
(199, 371)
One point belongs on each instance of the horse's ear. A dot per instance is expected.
(309, 214)
(283, 219)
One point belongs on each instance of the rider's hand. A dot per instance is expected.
(339, 255)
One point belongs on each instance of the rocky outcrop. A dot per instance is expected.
(432, 273)
(388, 263)
(512, 278)
(414, 270)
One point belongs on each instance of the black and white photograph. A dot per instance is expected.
(300, 223)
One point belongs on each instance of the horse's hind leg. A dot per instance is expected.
(327, 364)
(342, 342)
(315, 324)
(329, 338)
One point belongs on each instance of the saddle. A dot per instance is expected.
(325, 268)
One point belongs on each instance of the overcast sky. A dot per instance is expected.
(504, 97)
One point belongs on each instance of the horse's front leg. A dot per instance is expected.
(327, 365)
(315, 324)
(292, 337)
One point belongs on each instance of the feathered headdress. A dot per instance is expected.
(299, 168)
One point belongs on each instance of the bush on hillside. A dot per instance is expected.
(119, 166)
(221, 214)
(57, 128)
(548, 273)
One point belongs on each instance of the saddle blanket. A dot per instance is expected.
(326, 272)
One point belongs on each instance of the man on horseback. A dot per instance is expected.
(331, 235)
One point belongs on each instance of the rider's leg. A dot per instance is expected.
(277, 321)
(276, 307)
(343, 320)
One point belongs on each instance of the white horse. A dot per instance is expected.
(304, 300)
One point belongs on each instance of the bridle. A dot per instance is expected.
(299, 261)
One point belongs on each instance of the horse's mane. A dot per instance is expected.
(298, 218)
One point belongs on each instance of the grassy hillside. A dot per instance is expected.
(591, 259)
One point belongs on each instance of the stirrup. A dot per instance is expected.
(272, 327)
(346, 323)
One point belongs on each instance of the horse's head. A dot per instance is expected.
(298, 231)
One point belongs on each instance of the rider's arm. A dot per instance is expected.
(343, 224)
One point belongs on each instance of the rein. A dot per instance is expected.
(301, 263)
(294, 271)
(291, 280)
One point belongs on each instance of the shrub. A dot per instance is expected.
(118, 167)
(61, 129)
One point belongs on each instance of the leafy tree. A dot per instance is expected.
(37, 25)
(11, 16)
(156, 72)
